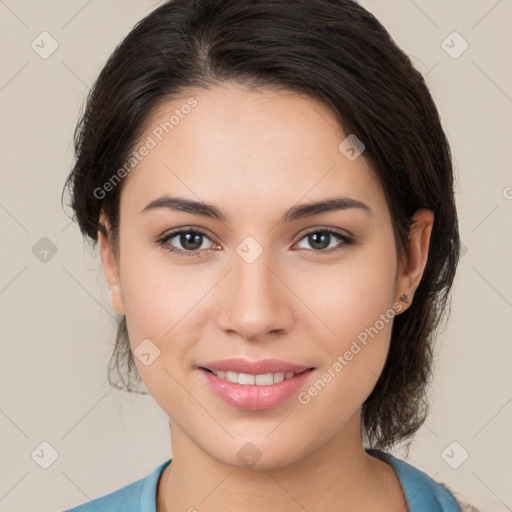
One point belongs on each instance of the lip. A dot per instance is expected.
(253, 397)
(241, 365)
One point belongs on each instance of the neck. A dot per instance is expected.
(339, 476)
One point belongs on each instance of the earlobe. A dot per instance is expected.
(411, 272)
(110, 269)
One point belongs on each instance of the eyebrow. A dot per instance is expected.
(296, 212)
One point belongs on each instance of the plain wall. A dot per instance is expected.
(57, 324)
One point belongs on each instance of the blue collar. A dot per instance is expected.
(421, 491)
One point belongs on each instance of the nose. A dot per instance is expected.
(255, 303)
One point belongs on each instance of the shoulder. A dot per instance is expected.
(139, 496)
(421, 491)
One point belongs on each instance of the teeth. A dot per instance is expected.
(264, 379)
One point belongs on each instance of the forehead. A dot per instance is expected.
(246, 150)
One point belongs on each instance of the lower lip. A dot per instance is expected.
(253, 397)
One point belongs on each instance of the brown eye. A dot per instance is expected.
(321, 239)
(185, 242)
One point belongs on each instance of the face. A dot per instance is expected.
(318, 291)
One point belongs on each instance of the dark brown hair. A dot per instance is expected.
(337, 53)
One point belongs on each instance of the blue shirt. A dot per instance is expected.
(421, 492)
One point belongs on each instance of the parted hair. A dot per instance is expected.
(335, 52)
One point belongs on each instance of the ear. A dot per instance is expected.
(110, 267)
(410, 272)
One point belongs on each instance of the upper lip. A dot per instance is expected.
(263, 366)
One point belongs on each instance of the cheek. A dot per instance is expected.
(351, 296)
(157, 295)
(160, 301)
(355, 303)
(165, 304)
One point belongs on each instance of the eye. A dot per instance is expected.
(320, 240)
(190, 240)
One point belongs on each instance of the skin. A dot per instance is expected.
(254, 155)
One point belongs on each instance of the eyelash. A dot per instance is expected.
(163, 242)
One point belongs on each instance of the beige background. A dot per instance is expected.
(56, 322)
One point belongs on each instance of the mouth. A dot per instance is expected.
(255, 392)
(249, 379)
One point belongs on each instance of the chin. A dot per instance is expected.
(255, 457)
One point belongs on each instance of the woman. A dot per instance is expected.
(271, 191)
